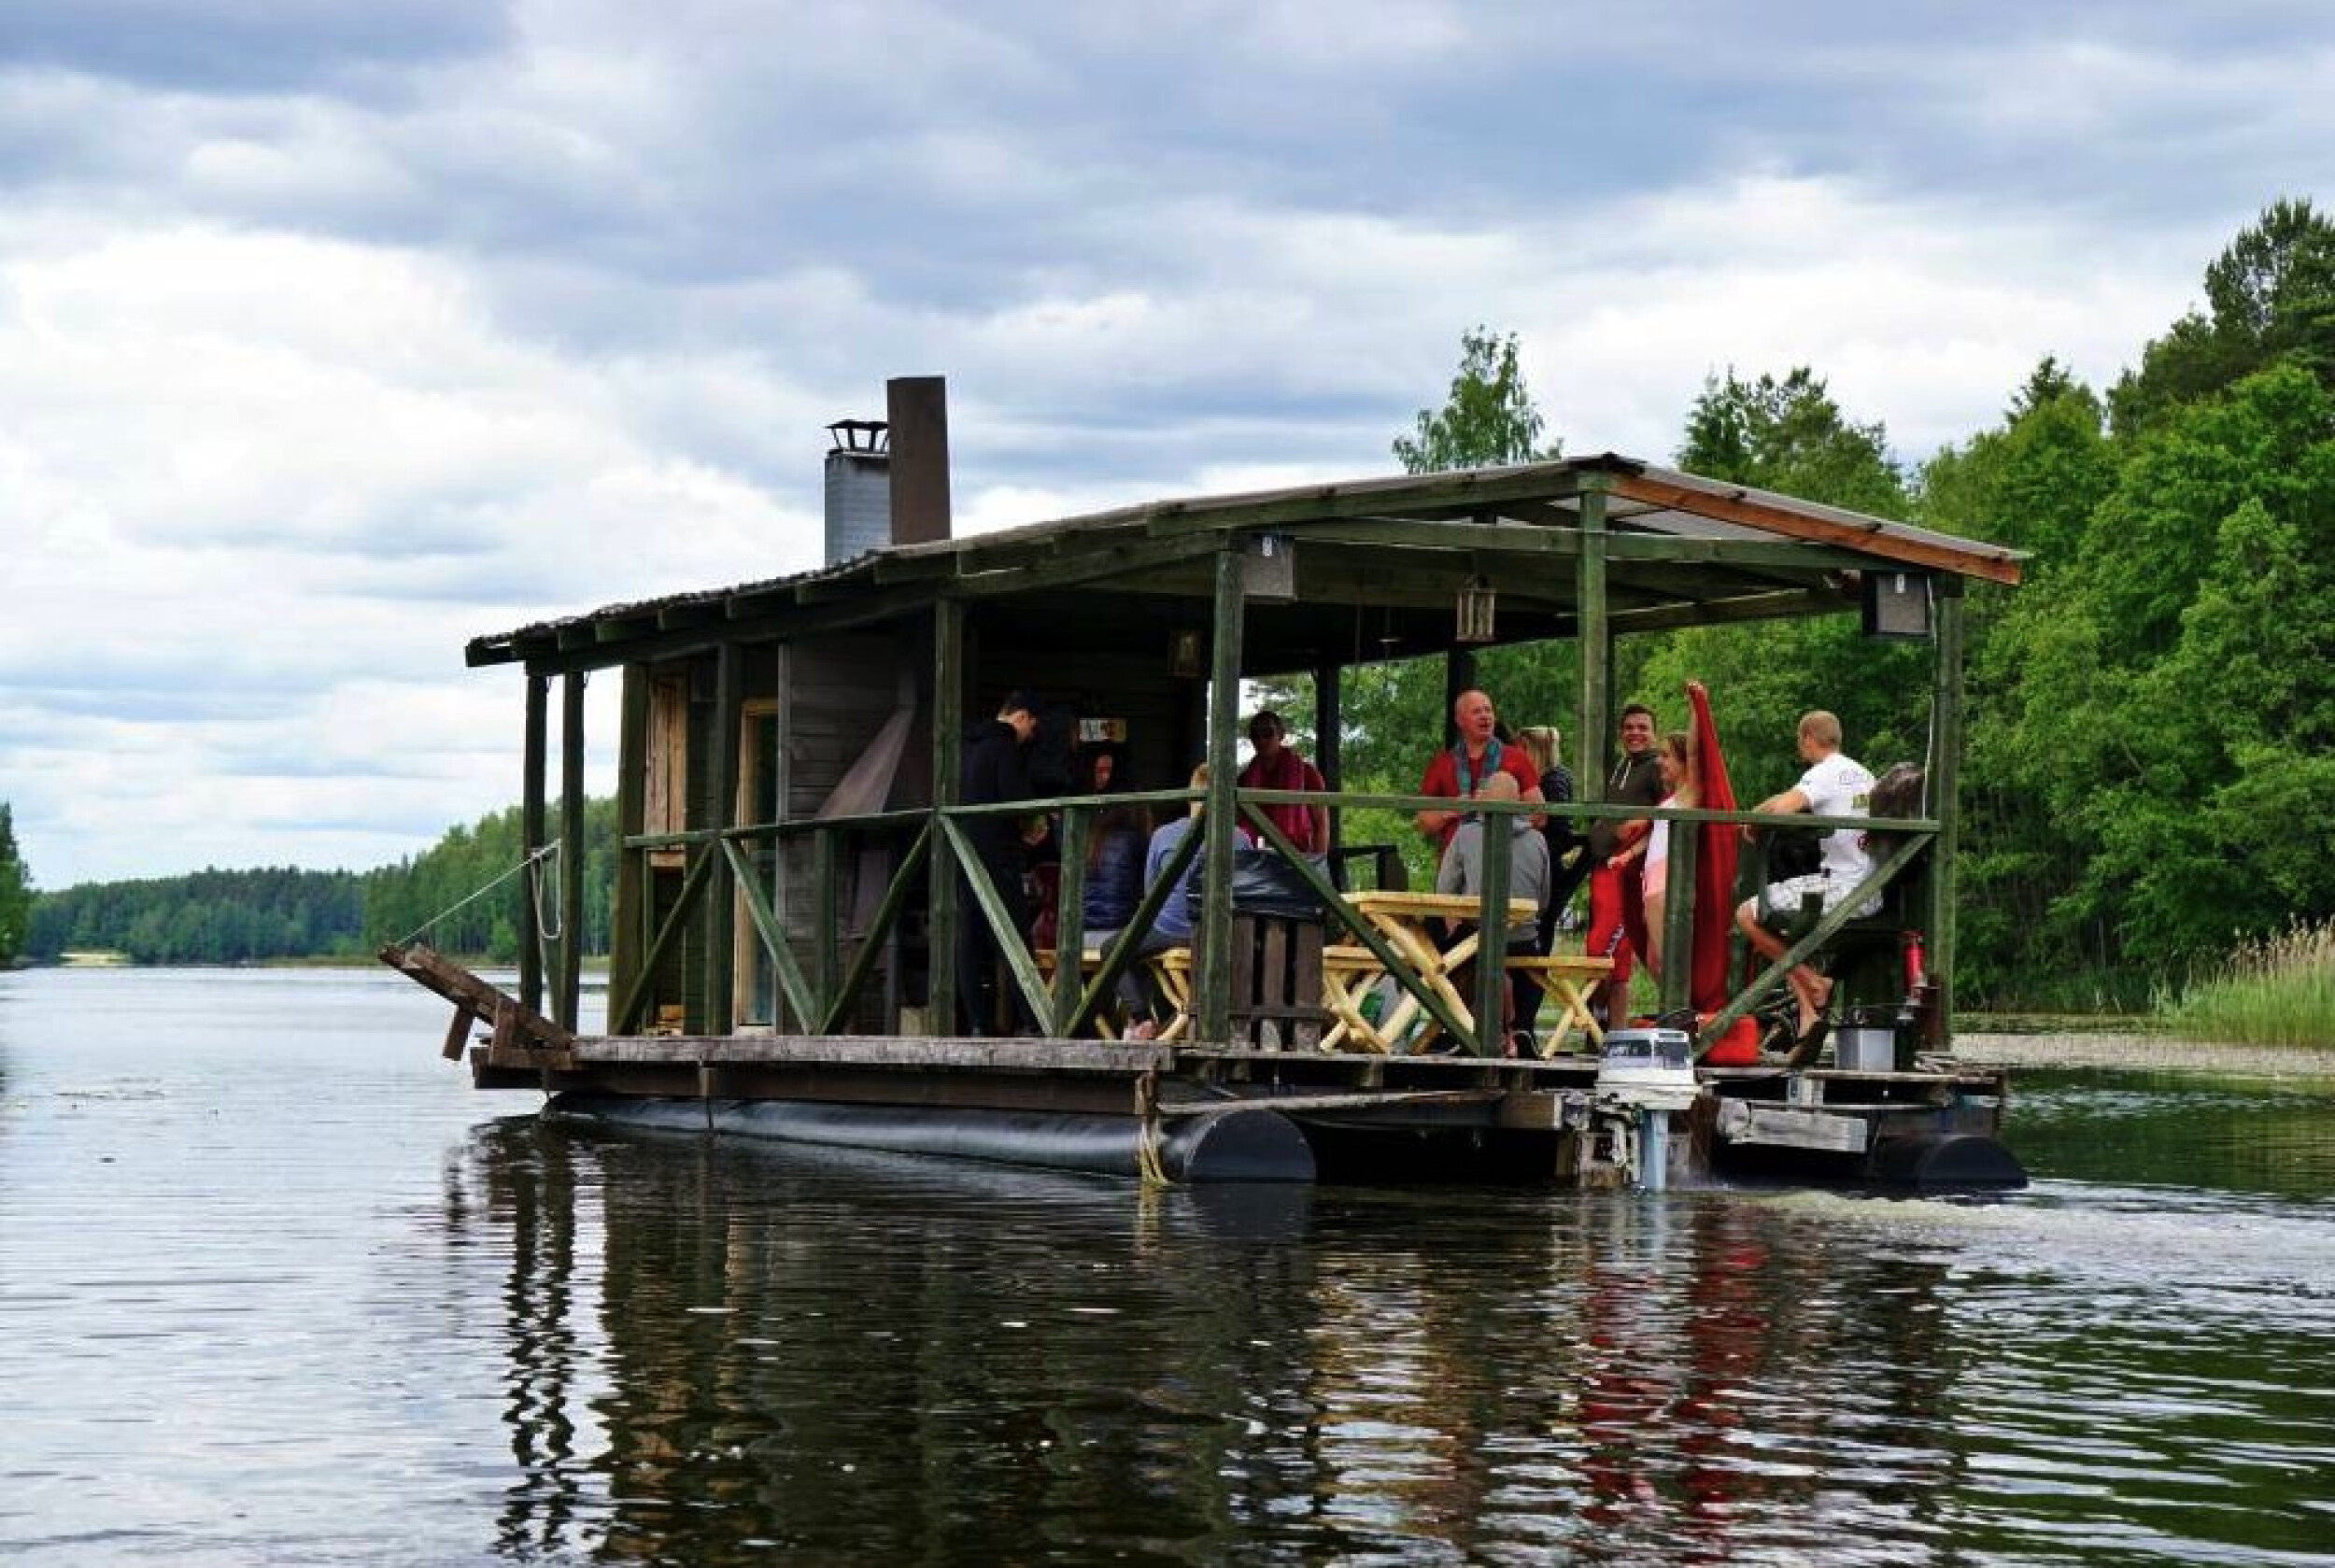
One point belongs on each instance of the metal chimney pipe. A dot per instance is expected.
(917, 410)
(859, 489)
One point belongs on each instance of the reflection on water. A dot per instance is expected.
(284, 1292)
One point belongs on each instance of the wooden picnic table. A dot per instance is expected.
(1411, 922)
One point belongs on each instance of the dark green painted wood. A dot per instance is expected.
(1592, 733)
(1677, 976)
(774, 935)
(532, 793)
(1460, 492)
(1549, 543)
(624, 1016)
(1069, 916)
(1945, 790)
(846, 994)
(571, 851)
(826, 942)
(628, 923)
(948, 732)
(1121, 953)
(1458, 675)
(1329, 697)
(1396, 966)
(1212, 977)
(721, 926)
(991, 907)
(1716, 1027)
(1492, 976)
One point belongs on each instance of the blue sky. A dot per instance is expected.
(335, 331)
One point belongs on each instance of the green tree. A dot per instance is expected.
(2173, 707)
(2033, 482)
(1788, 435)
(2270, 296)
(16, 891)
(1488, 418)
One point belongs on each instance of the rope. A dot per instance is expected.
(532, 861)
(545, 926)
(1148, 1169)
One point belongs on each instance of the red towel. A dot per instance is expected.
(1715, 893)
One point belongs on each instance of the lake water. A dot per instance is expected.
(278, 1287)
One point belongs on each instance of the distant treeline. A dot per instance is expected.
(240, 917)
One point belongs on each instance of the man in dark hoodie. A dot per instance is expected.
(995, 769)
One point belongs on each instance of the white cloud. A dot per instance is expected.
(314, 365)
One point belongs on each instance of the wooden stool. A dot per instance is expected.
(1567, 979)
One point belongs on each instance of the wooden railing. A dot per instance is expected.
(823, 996)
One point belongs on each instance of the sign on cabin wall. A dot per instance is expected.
(1100, 732)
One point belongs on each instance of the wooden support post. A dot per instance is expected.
(1677, 976)
(1593, 732)
(628, 920)
(457, 1033)
(948, 731)
(1069, 941)
(1214, 936)
(827, 941)
(1492, 949)
(1328, 728)
(570, 849)
(1944, 790)
(532, 839)
(1458, 675)
(721, 905)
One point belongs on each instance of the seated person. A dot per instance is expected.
(1835, 784)
(1115, 853)
(1463, 873)
(1172, 926)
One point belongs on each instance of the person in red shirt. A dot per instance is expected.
(1275, 765)
(1478, 754)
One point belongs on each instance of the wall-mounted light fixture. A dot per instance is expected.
(1896, 604)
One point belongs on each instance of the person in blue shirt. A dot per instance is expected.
(1172, 926)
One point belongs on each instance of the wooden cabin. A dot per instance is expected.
(789, 890)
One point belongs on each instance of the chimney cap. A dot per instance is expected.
(861, 435)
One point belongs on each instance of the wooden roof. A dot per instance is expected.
(1376, 565)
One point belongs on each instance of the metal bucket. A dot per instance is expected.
(1866, 1041)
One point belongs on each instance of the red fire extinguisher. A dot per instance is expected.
(1917, 965)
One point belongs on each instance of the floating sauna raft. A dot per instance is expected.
(1201, 1113)
(797, 861)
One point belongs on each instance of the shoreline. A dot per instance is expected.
(2153, 1052)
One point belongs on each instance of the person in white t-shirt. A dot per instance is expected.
(1835, 784)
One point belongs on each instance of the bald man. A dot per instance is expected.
(1461, 771)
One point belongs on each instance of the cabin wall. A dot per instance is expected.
(833, 696)
(1165, 717)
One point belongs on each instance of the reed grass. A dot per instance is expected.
(2276, 990)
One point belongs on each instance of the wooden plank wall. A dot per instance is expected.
(835, 693)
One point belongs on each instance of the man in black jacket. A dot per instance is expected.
(995, 767)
